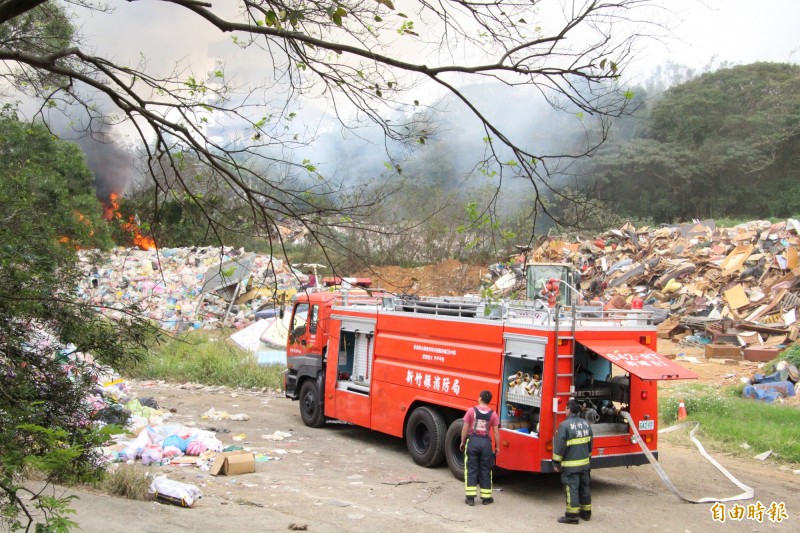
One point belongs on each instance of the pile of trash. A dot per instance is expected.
(190, 288)
(781, 384)
(718, 286)
(148, 437)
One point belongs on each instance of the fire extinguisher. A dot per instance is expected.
(550, 291)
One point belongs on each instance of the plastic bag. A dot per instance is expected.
(195, 448)
(151, 454)
(176, 441)
(174, 492)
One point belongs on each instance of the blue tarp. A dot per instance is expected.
(769, 392)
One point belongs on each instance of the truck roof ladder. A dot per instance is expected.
(565, 364)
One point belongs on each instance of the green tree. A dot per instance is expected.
(48, 180)
(724, 144)
(49, 210)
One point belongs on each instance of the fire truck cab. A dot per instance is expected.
(412, 366)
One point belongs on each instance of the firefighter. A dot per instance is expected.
(572, 451)
(476, 443)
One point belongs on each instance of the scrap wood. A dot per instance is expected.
(736, 297)
(775, 340)
(736, 259)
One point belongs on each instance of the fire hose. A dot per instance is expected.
(748, 491)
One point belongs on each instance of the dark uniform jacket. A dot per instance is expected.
(573, 444)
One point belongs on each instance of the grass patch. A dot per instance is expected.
(127, 481)
(205, 357)
(727, 421)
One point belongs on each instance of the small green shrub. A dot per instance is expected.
(792, 355)
(696, 401)
(128, 481)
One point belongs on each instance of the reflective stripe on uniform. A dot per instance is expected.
(580, 440)
(470, 492)
(557, 457)
(570, 508)
(577, 462)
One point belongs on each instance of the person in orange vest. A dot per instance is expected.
(476, 443)
(572, 451)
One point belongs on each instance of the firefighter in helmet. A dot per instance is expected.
(572, 451)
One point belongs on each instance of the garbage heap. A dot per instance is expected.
(734, 291)
(185, 288)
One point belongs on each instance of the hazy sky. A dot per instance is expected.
(736, 31)
(732, 31)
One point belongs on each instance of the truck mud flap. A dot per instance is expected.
(608, 461)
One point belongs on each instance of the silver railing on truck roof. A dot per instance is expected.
(531, 312)
(525, 312)
(359, 297)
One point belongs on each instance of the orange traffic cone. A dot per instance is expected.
(681, 411)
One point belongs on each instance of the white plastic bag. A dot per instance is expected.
(174, 492)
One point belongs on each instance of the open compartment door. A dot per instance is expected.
(639, 360)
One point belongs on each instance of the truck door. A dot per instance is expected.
(353, 360)
(303, 329)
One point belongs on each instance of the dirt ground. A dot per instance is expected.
(448, 278)
(345, 478)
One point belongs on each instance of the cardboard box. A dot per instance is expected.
(723, 351)
(233, 463)
(761, 353)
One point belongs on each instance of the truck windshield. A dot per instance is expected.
(299, 319)
(540, 273)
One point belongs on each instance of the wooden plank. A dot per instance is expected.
(791, 258)
(736, 259)
(736, 297)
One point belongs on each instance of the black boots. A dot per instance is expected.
(487, 501)
(469, 500)
(568, 518)
(585, 515)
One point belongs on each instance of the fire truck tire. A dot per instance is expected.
(310, 406)
(452, 448)
(425, 433)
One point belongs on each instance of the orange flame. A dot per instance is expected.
(111, 209)
(111, 212)
(83, 220)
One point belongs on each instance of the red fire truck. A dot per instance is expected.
(411, 367)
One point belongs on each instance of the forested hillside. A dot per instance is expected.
(725, 144)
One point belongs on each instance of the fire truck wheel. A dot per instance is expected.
(452, 448)
(310, 407)
(425, 432)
